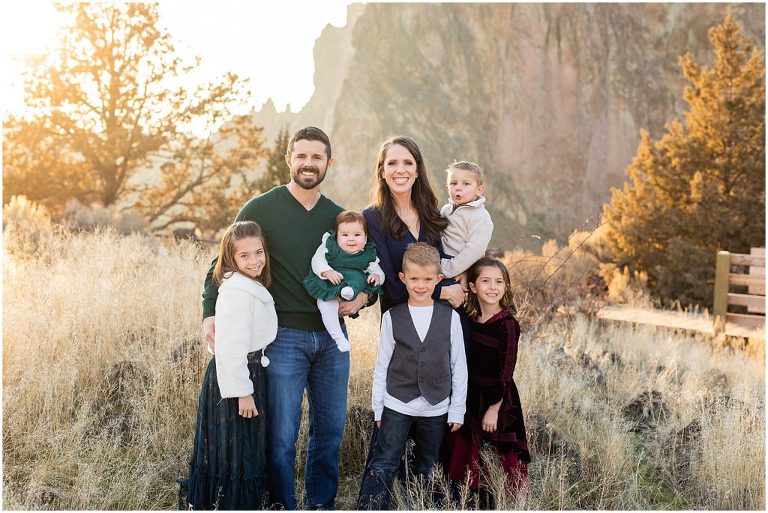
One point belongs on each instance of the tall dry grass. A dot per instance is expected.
(102, 363)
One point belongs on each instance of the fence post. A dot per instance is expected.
(720, 307)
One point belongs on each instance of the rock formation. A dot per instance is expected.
(547, 98)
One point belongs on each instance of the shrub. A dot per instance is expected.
(81, 217)
(26, 226)
(561, 277)
(624, 287)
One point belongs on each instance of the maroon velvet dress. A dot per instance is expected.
(491, 359)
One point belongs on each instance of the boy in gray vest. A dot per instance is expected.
(420, 378)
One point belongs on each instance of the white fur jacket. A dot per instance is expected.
(245, 322)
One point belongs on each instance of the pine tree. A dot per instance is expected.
(701, 187)
(276, 171)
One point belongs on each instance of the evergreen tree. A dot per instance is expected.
(276, 171)
(701, 187)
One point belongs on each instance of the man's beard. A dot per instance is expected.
(306, 182)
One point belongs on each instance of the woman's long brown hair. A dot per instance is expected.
(422, 195)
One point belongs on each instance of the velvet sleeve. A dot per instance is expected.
(509, 336)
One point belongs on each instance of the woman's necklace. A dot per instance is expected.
(411, 219)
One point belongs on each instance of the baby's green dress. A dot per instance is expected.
(351, 266)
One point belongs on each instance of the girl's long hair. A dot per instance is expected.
(422, 195)
(225, 264)
(507, 300)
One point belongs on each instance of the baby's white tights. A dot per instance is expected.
(329, 311)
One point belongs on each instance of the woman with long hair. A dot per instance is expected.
(404, 210)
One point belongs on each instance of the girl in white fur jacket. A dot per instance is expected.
(228, 465)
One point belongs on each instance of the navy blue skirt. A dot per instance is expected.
(229, 459)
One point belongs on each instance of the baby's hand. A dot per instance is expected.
(374, 279)
(332, 276)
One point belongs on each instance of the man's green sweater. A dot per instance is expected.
(292, 236)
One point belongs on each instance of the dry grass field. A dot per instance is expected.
(102, 362)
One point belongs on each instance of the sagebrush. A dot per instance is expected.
(103, 360)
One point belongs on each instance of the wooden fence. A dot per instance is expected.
(753, 279)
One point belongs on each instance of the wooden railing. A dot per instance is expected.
(754, 280)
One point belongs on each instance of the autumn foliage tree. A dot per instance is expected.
(110, 119)
(203, 181)
(701, 187)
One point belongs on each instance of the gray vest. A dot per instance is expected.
(420, 368)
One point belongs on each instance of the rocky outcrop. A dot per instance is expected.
(548, 98)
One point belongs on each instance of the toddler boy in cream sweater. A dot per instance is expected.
(469, 224)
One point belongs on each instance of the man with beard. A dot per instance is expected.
(293, 218)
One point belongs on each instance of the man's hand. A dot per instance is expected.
(209, 331)
(461, 279)
(374, 279)
(351, 307)
(332, 276)
(454, 426)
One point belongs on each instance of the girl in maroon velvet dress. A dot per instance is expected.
(494, 416)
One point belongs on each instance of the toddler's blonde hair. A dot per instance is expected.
(467, 166)
(421, 253)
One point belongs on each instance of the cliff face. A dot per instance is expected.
(547, 98)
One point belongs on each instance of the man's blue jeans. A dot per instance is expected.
(376, 488)
(298, 360)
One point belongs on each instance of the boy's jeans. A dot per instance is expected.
(376, 489)
(310, 359)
